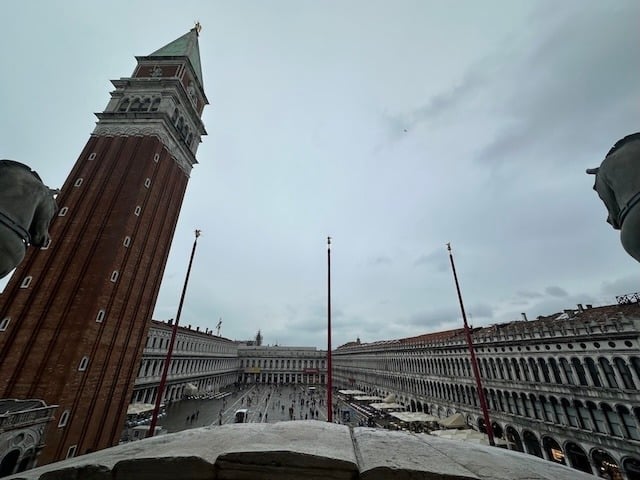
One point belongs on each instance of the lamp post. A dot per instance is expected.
(329, 373)
(174, 332)
(474, 362)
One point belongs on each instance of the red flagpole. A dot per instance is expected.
(174, 333)
(474, 362)
(329, 372)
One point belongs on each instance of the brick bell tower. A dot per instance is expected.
(74, 316)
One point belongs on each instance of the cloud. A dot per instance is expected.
(621, 286)
(556, 291)
(437, 106)
(557, 92)
(435, 259)
(528, 294)
(379, 260)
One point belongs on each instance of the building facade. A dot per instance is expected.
(22, 431)
(74, 317)
(275, 364)
(201, 362)
(564, 387)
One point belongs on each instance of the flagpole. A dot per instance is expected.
(474, 362)
(174, 333)
(329, 372)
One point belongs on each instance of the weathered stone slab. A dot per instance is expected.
(386, 455)
(491, 463)
(86, 472)
(166, 468)
(288, 450)
(308, 450)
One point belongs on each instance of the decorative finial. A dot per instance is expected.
(198, 233)
(328, 241)
(198, 27)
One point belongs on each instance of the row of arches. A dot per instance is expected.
(153, 367)
(617, 420)
(602, 372)
(183, 128)
(596, 461)
(139, 104)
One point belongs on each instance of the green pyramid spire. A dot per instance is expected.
(185, 46)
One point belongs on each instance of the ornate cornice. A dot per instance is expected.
(145, 130)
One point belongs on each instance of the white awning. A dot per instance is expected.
(137, 408)
(411, 417)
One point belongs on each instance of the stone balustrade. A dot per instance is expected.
(309, 450)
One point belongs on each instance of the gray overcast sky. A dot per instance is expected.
(393, 126)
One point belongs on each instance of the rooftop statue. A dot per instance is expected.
(26, 208)
(618, 185)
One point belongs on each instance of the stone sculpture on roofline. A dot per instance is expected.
(27, 206)
(618, 185)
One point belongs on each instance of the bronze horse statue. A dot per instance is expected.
(26, 208)
(618, 185)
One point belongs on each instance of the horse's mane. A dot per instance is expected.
(13, 163)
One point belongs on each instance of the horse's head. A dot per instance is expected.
(45, 210)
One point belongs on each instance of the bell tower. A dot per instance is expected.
(75, 314)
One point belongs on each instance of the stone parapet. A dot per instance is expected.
(310, 450)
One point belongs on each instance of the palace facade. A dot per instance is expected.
(201, 362)
(267, 364)
(564, 387)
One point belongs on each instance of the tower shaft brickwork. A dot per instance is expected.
(79, 309)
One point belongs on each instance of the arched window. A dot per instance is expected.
(613, 420)
(572, 413)
(114, 276)
(78, 182)
(555, 370)
(63, 211)
(625, 373)
(544, 369)
(64, 418)
(174, 116)
(146, 103)
(155, 104)
(135, 105)
(124, 105)
(629, 424)
(577, 366)
(4, 323)
(598, 418)
(557, 410)
(593, 372)
(534, 370)
(608, 372)
(83, 364)
(566, 368)
(516, 368)
(100, 316)
(26, 281)
(137, 210)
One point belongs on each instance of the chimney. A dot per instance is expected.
(197, 329)
(580, 308)
(189, 326)
(170, 321)
(524, 316)
(589, 306)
